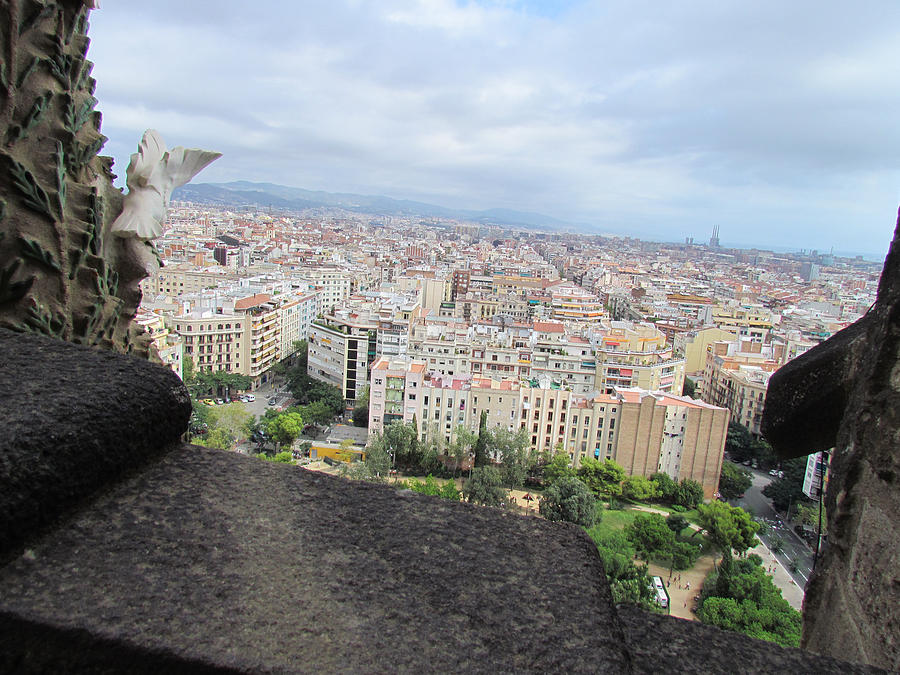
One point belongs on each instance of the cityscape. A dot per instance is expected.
(583, 353)
(496, 335)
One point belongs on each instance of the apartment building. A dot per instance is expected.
(213, 341)
(570, 302)
(635, 355)
(643, 431)
(335, 284)
(185, 279)
(341, 348)
(169, 345)
(737, 376)
(295, 316)
(692, 346)
(748, 322)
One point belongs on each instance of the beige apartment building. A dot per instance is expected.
(246, 337)
(737, 376)
(643, 431)
(693, 345)
(185, 279)
(748, 322)
(168, 344)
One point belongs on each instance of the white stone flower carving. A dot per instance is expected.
(152, 174)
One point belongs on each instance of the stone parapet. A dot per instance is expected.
(203, 560)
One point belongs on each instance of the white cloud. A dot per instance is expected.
(772, 120)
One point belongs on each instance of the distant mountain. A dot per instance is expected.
(244, 193)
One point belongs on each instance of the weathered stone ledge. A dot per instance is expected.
(207, 561)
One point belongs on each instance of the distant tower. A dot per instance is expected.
(714, 239)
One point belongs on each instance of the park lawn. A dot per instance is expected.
(691, 515)
(612, 521)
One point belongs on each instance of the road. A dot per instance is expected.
(793, 547)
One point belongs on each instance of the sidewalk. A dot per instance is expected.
(789, 588)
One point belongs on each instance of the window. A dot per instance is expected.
(585, 434)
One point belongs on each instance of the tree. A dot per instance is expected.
(234, 418)
(402, 443)
(481, 445)
(361, 410)
(650, 535)
(217, 438)
(808, 514)
(788, 490)
(570, 500)
(280, 458)
(378, 459)
(511, 448)
(431, 487)
(689, 388)
(603, 478)
(559, 466)
(317, 413)
(676, 523)
(461, 448)
(728, 527)
(665, 486)
(639, 488)
(688, 493)
(734, 481)
(741, 597)
(284, 428)
(484, 487)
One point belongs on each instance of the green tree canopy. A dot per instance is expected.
(639, 488)
(234, 418)
(481, 445)
(378, 459)
(688, 493)
(603, 478)
(728, 527)
(485, 487)
(216, 438)
(284, 428)
(511, 448)
(665, 486)
(676, 523)
(318, 413)
(402, 443)
(788, 490)
(559, 466)
(570, 500)
(650, 536)
(741, 597)
(734, 481)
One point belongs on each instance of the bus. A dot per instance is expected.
(662, 596)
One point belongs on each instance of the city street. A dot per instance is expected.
(793, 547)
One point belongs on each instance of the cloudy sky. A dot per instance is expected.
(777, 121)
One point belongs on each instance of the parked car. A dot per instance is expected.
(220, 401)
(207, 401)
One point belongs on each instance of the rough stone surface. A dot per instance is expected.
(661, 644)
(207, 561)
(73, 419)
(852, 605)
(225, 560)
